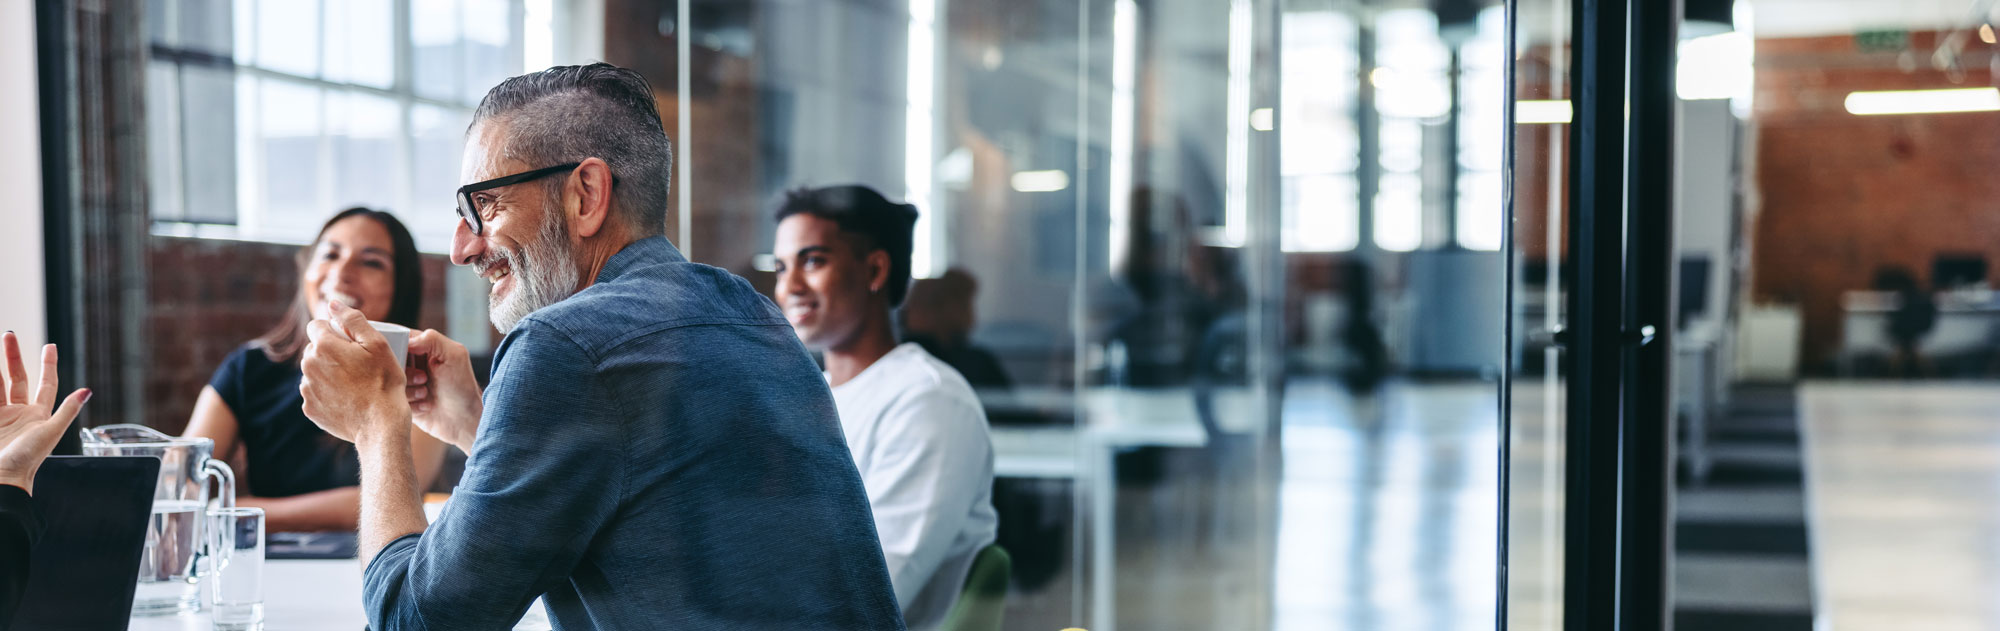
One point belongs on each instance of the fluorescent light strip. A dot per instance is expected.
(1541, 112)
(1923, 101)
(1040, 181)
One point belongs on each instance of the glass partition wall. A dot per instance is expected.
(1227, 275)
(1539, 261)
(1230, 277)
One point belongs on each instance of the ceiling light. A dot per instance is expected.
(1541, 112)
(1924, 101)
(1040, 181)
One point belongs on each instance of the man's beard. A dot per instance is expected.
(544, 274)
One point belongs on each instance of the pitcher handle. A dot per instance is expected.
(218, 543)
(222, 474)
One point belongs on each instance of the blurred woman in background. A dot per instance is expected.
(304, 478)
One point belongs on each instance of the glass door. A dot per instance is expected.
(1539, 95)
(1229, 278)
(1590, 433)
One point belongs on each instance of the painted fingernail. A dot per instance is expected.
(87, 393)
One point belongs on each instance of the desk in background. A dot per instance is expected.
(1966, 324)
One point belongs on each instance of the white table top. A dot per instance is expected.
(315, 595)
(304, 595)
(1112, 417)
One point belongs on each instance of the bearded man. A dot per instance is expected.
(656, 449)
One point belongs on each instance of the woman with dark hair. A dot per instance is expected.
(304, 478)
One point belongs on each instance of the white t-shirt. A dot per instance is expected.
(919, 436)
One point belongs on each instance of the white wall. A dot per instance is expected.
(1706, 194)
(21, 290)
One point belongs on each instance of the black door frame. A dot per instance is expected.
(1617, 338)
(1646, 480)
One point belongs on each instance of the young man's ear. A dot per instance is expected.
(878, 271)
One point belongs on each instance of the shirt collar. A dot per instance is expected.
(638, 253)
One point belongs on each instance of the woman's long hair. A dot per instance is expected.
(284, 342)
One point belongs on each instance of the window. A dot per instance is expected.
(1482, 134)
(1413, 96)
(269, 115)
(1320, 148)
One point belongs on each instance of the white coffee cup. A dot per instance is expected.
(399, 339)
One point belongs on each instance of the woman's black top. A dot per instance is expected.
(19, 527)
(287, 454)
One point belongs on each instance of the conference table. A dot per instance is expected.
(315, 595)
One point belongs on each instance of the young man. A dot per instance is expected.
(916, 430)
(655, 449)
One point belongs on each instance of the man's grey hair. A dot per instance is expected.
(569, 113)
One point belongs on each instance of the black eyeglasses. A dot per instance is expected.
(470, 211)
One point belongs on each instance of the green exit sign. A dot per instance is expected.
(1879, 41)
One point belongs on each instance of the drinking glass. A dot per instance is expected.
(237, 544)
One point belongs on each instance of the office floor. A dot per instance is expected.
(1903, 486)
(1877, 508)
(1741, 560)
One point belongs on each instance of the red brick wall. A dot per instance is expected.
(1844, 195)
(724, 106)
(206, 297)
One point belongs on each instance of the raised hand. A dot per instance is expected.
(29, 429)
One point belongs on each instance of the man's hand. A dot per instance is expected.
(352, 386)
(28, 430)
(443, 394)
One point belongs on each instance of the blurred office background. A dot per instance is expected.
(1268, 336)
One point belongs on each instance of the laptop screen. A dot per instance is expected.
(85, 566)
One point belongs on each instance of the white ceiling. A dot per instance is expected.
(1803, 18)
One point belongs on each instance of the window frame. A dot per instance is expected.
(251, 221)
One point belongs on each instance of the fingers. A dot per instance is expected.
(419, 399)
(352, 322)
(17, 374)
(45, 396)
(433, 345)
(310, 401)
(425, 342)
(320, 332)
(71, 406)
(41, 438)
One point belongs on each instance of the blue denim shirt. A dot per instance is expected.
(658, 451)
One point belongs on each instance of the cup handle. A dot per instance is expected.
(222, 474)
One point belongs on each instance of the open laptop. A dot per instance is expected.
(84, 569)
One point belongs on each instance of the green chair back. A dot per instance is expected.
(984, 600)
